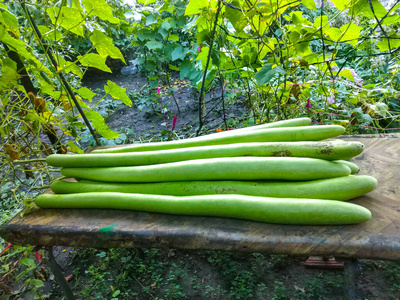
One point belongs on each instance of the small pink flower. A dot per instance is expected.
(174, 122)
(199, 48)
(158, 90)
(331, 100)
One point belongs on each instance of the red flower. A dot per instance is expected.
(174, 122)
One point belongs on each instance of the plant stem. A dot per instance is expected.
(201, 98)
(46, 48)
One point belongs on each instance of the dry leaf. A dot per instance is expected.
(12, 152)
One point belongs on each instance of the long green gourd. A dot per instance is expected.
(285, 134)
(225, 168)
(353, 167)
(340, 188)
(322, 150)
(283, 123)
(262, 209)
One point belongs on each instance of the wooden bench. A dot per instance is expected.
(379, 238)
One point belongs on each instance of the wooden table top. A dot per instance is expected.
(379, 238)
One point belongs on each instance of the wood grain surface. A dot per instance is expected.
(379, 238)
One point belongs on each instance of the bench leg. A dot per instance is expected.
(58, 275)
(350, 278)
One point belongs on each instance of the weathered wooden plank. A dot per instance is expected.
(378, 238)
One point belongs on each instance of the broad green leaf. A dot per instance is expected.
(144, 34)
(168, 24)
(173, 37)
(9, 75)
(29, 262)
(202, 56)
(174, 68)
(346, 74)
(151, 45)
(350, 33)
(391, 20)
(178, 53)
(324, 22)
(95, 61)
(69, 18)
(333, 33)
(85, 93)
(100, 125)
(101, 9)
(392, 40)
(104, 46)
(117, 93)
(68, 66)
(265, 74)
(310, 4)
(363, 7)
(37, 283)
(185, 68)
(150, 19)
(195, 6)
(74, 148)
(341, 4)
(236, 17)
(10, 22)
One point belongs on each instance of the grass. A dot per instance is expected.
(174, 274)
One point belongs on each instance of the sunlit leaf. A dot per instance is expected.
(100, 125)
(104, 45)
(95, 61)
(350, 33)
(117, 92)
(85, 93)
(68, 18)
(195, 6)
(101, 9)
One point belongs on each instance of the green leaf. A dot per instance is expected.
(178, 53)
(341, 4)
(362, 7)
(346, 74)
(68, 66)
(74, 148)
(37, 283)
(173, 37)
(392, 40)
(174, 68)
(101, 9)
(28, 262)
(150, 19)
(151, 45)
(10, 22)
(266, 73)
(95, 61)
(236, 17)
(185, 68)
(69, 18)
(202, 56)
(117, 92)
(310, 4)
(100, 125)
(9, 74)
(85, 93)
(350, 33)
(195, 6)
(104, 45)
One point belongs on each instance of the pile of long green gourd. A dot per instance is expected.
(282, 172)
